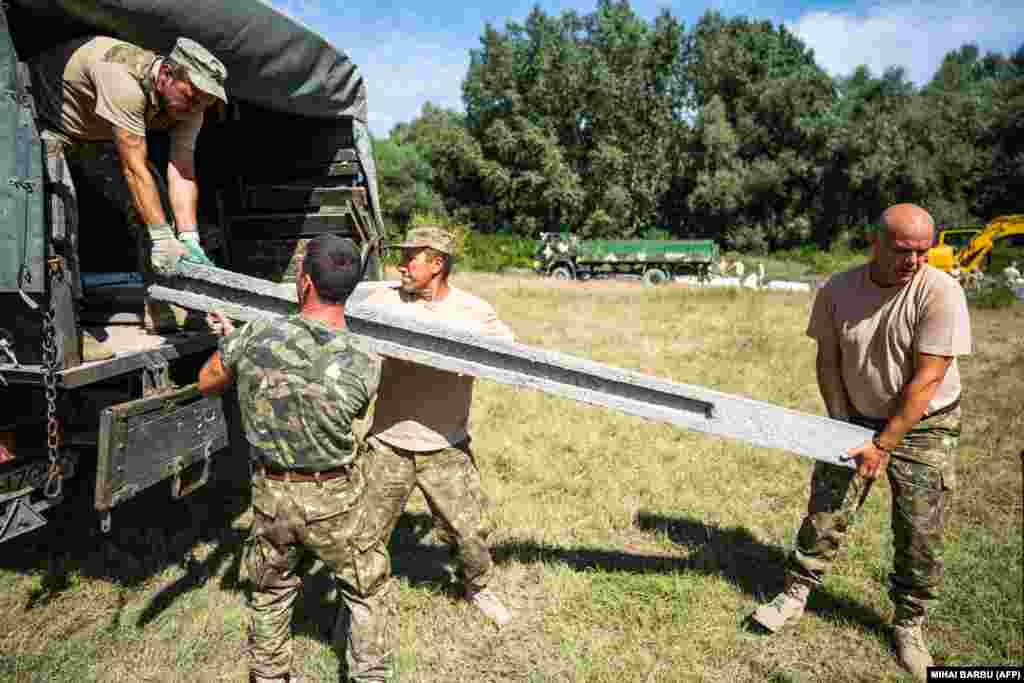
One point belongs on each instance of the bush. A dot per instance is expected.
(822, 262)
(496, 252)
(991, 293)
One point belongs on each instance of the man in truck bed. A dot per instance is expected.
(96, 97)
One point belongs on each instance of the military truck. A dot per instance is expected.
(287, 159)
(564, 256)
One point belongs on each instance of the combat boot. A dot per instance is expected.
(488, 603)
(911, 650)
(787, 606)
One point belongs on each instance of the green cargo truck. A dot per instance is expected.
(565, 256)
(287, 159)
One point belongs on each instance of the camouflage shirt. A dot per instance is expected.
(300, 386)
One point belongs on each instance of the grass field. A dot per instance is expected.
(629, 551)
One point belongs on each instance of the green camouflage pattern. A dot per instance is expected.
(135, 58)
(98, 166)
(450, 483)
(296, 521)
(555, 247)
(438, 238)
(922, 478)
(205, 71)
(63, 204)
(300, 386)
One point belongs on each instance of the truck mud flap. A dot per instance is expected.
(171, 436)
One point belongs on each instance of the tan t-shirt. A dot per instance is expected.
(420, 408)
(86, 87)
(879, 331)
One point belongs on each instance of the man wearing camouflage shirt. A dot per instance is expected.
(888, 335)
(301, 383)
(419, 434)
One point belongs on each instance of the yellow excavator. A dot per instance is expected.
(968, 259)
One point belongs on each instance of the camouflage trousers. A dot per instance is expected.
(922, 477)
(98, 165)
(294, 522)
(450, 482)
(63, 207)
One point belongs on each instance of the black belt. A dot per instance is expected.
(277, 474)
(878, 423)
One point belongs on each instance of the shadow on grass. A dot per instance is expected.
(732, 553)
(149, 534)
(426, 566)
(755, 568)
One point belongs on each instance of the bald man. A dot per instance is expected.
(888, 335)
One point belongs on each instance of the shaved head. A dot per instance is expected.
(901, 244)
(907, 222)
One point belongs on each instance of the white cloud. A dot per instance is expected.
(914, 35)
(403, 67)
(404, 72)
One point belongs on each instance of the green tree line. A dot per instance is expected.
(614, 126)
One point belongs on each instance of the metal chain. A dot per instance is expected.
(55, 477)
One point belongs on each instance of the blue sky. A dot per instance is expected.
(415, 51)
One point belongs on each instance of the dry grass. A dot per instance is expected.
(629, 551)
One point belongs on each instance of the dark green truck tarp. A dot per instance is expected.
(647, 251)
(22, 247)
(273, 61)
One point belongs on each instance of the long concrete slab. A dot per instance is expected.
(458, 350)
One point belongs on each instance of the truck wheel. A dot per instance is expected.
(562, 273)
(655, 277)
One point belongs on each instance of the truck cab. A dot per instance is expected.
(287, 159)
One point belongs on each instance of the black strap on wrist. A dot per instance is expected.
(876, 441)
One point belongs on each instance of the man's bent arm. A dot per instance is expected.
(184, 192)
(132, 150)
(214, 378)
(828, 365)
(916, 395)
(919, 391)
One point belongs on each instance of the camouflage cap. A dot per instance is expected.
(434, 237)
(205, 71)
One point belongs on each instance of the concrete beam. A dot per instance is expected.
(458, 350)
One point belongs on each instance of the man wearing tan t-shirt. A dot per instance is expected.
(888, 335)
(419, 437)
(96, 97)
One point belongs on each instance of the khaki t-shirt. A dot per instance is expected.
(879, 331)
(86, 87)
(420, 408)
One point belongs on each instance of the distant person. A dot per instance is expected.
(888, 334)
(419, 436)
(1012, 274)
(301, 382)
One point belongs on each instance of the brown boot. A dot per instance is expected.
(787, 606)
(911, 650)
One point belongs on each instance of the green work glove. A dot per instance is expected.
(165, 250)
(193, 252)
